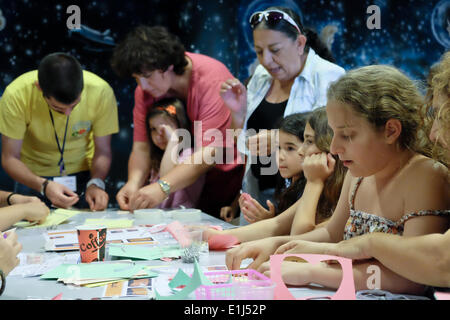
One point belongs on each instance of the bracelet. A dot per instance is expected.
(3, 282)
(44, 186)
(8, 198)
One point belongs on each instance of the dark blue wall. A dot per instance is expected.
(413, 36)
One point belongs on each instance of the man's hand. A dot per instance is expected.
(96, 198)
(60, 196)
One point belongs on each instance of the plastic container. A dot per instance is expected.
(149, 216)
(245, 284)
(187, 215)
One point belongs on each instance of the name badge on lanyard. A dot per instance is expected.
(69, 182)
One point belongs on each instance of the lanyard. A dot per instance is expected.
(62, 169)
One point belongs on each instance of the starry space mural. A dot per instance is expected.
(412, 35)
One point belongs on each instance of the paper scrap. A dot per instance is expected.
(197, 279)
(179, 232)
(55, 218)
(442, 295)
(110, 223)
(222, 241)
(85, 271)
(130, 288)
(144, 253)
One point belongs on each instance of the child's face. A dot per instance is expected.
(290, 163)
(309, 145)
(435, 134)
(158, 134)
(360, 147)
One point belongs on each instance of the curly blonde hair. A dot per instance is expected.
(379, 93)
(440, 85)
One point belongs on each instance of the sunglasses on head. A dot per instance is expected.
(272, 17)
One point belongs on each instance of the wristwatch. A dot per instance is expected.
(43, 187)
(165, 186)
(96, 181)
(2, 282)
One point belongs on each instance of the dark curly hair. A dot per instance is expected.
(146, 49)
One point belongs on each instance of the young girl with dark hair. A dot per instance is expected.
(167, 124)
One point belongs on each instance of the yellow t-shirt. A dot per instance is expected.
(24, 115)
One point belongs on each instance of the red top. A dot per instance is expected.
(204, 106)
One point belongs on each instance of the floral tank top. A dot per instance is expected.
(360, 222)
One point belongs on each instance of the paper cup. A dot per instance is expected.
(92, 241)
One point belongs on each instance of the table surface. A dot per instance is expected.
(33, 241)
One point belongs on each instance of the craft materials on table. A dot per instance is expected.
(55, 218)
(64, 240)
(96, 272)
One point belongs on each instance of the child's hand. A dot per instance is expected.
(167, 130)
(292, 273)
(18, 199)
(253, 211)
(318, 167)
(227, 213)
(301, 246)
(34, 211)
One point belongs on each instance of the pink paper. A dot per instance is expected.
(442, 295)
(346, 290)
(57, 297)
(222, 241)
(179, 233)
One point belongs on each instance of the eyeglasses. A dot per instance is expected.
(272, 17)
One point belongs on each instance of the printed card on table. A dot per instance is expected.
(65, 240)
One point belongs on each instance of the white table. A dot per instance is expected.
(21, 288)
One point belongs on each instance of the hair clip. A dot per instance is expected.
(170, 109)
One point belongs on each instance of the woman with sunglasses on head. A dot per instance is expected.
(292, 77)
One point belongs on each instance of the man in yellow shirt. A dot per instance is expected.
(56, 124)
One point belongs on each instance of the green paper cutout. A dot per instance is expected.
(198, 279)
(180, 279)
(144, 253)
(94, 271)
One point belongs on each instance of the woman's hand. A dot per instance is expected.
(264, 143)
(234, 95)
